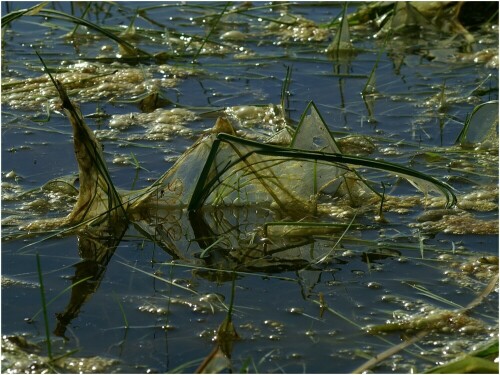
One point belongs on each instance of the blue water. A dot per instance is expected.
(273, 339)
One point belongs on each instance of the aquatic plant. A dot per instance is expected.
(222, 169)
(481, 126)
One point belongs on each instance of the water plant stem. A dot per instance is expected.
(44, 306)
(210, 32)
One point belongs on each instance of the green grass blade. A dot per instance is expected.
(216, 22)
(411, 175)
(8, 18)
(285, 94)
(124, 316)
(44, 306)
(199, 193)
(80, 21)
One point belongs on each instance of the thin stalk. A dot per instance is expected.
(44, 306)
(382, 199)
(285, 93)
(421, 244)
(211, 31)
(172, 283)
(426, 292)
(254, 274)
(83, 15)
(136, 163)
(124, 316)
(231, 302)
(323, 258)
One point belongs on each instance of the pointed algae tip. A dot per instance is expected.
(222, 125)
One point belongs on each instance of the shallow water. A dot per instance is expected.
(149, 324)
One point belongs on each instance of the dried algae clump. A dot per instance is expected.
(437, 320)
(482, 268)
(298, 29)
(483, 200)
(161, 124)
(256, 122)
(458, 223)
(19, 356)
(7, 282)
(98, 199)
(89, 82)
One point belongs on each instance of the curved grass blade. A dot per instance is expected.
(80, 21)
(211, 177)
(481, 125)
(216, 22)
(8, 18)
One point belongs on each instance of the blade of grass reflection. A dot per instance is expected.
(254, 274)
(173, 283)
(59, 295)
(323, 258)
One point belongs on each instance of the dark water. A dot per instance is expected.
(147, 324)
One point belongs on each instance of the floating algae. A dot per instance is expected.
(227, 201)
(222, 170)
(434, 320)
(91, 81)
(297, 28)
(233, 231)
(20, 356)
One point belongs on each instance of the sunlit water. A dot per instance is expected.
(147, 324)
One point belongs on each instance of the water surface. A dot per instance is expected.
(142, 323)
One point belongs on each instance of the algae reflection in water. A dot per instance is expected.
(349, 249)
